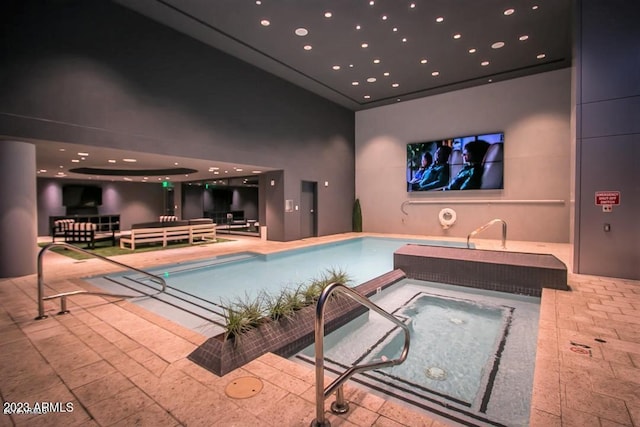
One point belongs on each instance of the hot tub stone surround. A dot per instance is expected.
(514, 272)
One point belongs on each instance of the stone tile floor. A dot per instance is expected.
(109, 362)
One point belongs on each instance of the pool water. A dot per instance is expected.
(362, 258)
(198, 290)
(471, 357)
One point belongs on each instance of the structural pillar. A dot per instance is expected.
(18, 209)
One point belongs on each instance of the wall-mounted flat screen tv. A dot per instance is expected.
(81, 196)
(474, 162)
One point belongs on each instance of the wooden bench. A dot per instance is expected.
(166, 233)
(86, 232)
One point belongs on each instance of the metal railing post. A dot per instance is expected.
(63, 295)
(340, 405)
(487, 225)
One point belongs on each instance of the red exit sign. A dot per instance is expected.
(607, 198)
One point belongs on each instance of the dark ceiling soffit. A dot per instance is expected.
(498, 77)
(133, 172)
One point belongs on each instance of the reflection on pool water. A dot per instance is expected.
(471, 357)
(197, 290)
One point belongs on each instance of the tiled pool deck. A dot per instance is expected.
(121, 365)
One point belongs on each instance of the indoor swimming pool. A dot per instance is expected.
(472, 351)
(471, 358)
(198, 291)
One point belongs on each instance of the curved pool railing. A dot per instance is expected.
(63, 295)
(487, 225)
(340, 406)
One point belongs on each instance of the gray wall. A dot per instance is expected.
(134, 201)
(608, 138)
(95, 73)
(534, 112)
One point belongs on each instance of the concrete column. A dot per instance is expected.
(18, 209)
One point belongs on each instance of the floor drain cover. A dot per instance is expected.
(436, 373)
(244, 387)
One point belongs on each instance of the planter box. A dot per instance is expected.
(287, 336)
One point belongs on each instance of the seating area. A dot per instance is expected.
(165, 231)
(81, 232)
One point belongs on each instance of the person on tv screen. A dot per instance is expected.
(470, 176)
(436, 175)
(425, 162)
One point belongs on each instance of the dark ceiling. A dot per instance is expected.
(367, 53)
(408, 54)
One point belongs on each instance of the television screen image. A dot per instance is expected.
(473, 162)
(81, 196)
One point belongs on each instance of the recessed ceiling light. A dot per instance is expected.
(256, 171)
(355, 83)
(75, 161)
(376, 61)
(423, 61)
(385, 17)
(472, 50)
(371, 3)
(523, 37)
(395, 85)
(397, 99)
(239, 169)
(404, 40)
(265, 23)
(371, 79)
(129, 160)
(301, 32)
(127, 178)
(83, 154)
(258, 2)
(412, 6)
(440, 19)
(42, 170)
(386, 74)
(111, 161)
(457, 36)
(484, 63)
(534, 7)
(308, 47)
(541, 56)
(336, 67)
(365, 45)
(350, 65)
(367, 96)
(435, 73)
(61, 149)
(497, 45)
(328, 14)
(395, 29)
(509, 12)
(358, 27)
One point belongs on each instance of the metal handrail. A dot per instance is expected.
(487, 225)
(340, 406)
(63, 295)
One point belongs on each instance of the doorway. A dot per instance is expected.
(308, 210)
